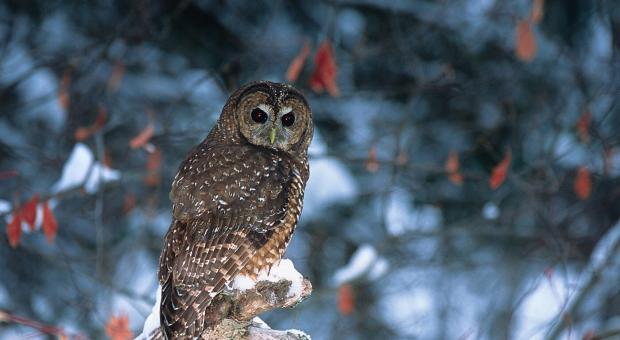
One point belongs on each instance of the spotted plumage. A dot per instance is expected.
(236, 200)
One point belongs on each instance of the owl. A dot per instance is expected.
(235, 202)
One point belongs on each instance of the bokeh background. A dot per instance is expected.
(465, 172)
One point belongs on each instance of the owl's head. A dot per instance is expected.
(271, 115)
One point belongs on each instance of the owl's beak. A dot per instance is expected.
(272, 135)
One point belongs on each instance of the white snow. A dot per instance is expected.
(82, 169)
(152, 321)
(5, 206)
(242, 282)
(258, 322)
(282, 270)
(364, 262)
(299, 333)
(490, 211)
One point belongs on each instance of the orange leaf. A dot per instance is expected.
(526, 42)
(153, 164)
(117, 76)
(372, 165)
(14, 230)
(143, 137)
(29, 211)
(117, 328)
(297, 64)
(452, 168)
(64, 89)
(583, 183)
(83, 132)
(324, 75)
(346, 299)
(50, 226)
(590, 335)
(498, 175)
(102, 115)
(583, 126)
(538, 11)
(402, 158)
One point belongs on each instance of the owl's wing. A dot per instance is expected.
(224, 205)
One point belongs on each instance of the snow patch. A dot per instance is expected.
(82, 169)
(5, 207)
(299, 334)
(490, 211)
(258, 322)
(282, 270)
(152, 321)
(364, 262)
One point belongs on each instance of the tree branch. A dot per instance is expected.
(232, 312)
(602, 256)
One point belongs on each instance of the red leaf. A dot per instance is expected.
(346, 299)
(102, 115)
(14, 230)
(64, 89)
(83, 133)
(589, 335)
(583, 126)
(50, 226)
(324, 75)
(8, 174)
(129, 202)
(498, 175)
(583, 183)
(538, 11)
(372, 165)
(452, 168)
(402, 158)
(526, 42)
(143, 137)
(297, 64)
(29, 211)
(153, 164)
(117, 328)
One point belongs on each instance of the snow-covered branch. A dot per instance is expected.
(236, 310)
(604, 252)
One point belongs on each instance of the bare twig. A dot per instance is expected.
(601, 258)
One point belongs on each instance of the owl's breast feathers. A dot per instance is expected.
(234, 211)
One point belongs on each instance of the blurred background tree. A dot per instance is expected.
(465, 171)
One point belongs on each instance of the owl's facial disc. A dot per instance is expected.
(274, 122)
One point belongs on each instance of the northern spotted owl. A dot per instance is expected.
(236, 200)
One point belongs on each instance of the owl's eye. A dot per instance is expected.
(288, 119)
(259, 116)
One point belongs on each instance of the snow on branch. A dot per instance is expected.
(602, 256)
(236, 310)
